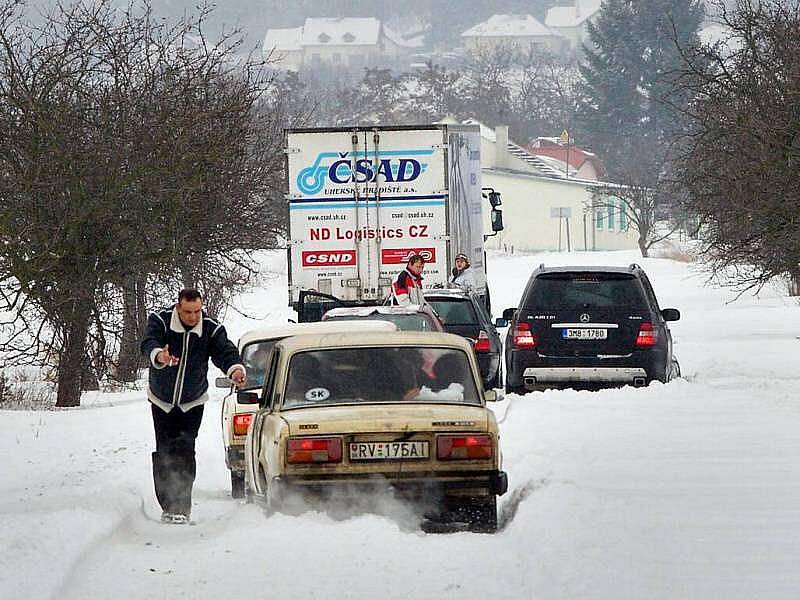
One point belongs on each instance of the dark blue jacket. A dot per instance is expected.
(185, 385)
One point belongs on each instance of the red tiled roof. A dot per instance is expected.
(576, 156)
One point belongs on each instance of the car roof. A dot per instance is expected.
(631, 270)
(447, 293)
(365, 311)
(288, 329)
(373, 338)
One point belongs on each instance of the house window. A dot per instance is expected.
(623, 217)
(315, 58)
(611, 217)
(598, 219)
(337, 58)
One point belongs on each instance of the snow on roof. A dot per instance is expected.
(414, 42)
(572, 16)
(283, 40)
(341, 30)
(509, 26)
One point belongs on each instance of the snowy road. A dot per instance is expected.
(685, 490)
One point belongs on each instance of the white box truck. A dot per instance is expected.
(363, 200)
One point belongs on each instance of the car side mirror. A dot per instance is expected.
(247, 397)
(497, 219)
(671, 314)
(491, 396)
(509, 314)
(501, 322)
(222, 382)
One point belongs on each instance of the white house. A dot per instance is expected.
(542, 209)
(519, 31)
(349, 42)
(570, 21)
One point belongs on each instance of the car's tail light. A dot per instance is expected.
(463, 447)
(523, 336)
(241, 422)
(647, 335)
(482, 343)
(313, 450)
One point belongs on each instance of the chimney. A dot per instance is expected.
(501, 146)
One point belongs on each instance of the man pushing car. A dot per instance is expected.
(178, 343)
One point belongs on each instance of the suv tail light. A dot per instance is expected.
(463, 447)
(241, 422)
(482, 343)
(523, 336)
(647, 335)
(313, 450)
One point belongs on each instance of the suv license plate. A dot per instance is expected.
(388, 450)
(584, 334)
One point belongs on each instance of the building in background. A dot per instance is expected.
(350, 43)
(515, 31)
(543, 208)
(571, 21)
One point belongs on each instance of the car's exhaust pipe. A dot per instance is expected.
(530, 383)
(639, 382)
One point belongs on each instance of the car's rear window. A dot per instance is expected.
(418, 322)
(454, 311)
(585, 290)
(374, 375)
(254, 358)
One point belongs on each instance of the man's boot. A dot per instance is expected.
(185, 471)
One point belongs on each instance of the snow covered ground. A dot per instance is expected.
(684, 490)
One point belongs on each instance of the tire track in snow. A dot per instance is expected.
(508, 509)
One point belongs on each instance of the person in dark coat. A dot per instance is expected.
(178, 343)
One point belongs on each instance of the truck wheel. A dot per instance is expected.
(237, 484)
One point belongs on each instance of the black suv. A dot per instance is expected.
(588, 327)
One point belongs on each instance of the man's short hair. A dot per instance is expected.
(415, 258)
(190, 295)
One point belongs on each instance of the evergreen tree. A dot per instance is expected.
(628, 75)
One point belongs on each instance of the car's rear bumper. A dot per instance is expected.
(591, 371)
(488, 364)
(416, 485)
(534, 377)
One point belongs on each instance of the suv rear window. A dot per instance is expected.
(454, 311)
(585, 290)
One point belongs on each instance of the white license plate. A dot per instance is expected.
(388, 450)
(584, 333)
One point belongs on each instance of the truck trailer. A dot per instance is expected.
(363, 200)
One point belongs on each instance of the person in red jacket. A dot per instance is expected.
(407, 288)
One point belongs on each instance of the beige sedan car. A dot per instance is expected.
(346, 414)
(239, 405)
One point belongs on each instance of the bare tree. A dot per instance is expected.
(132, 154)
(741, 155)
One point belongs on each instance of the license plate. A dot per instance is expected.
(388, 450)
(584, 333)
